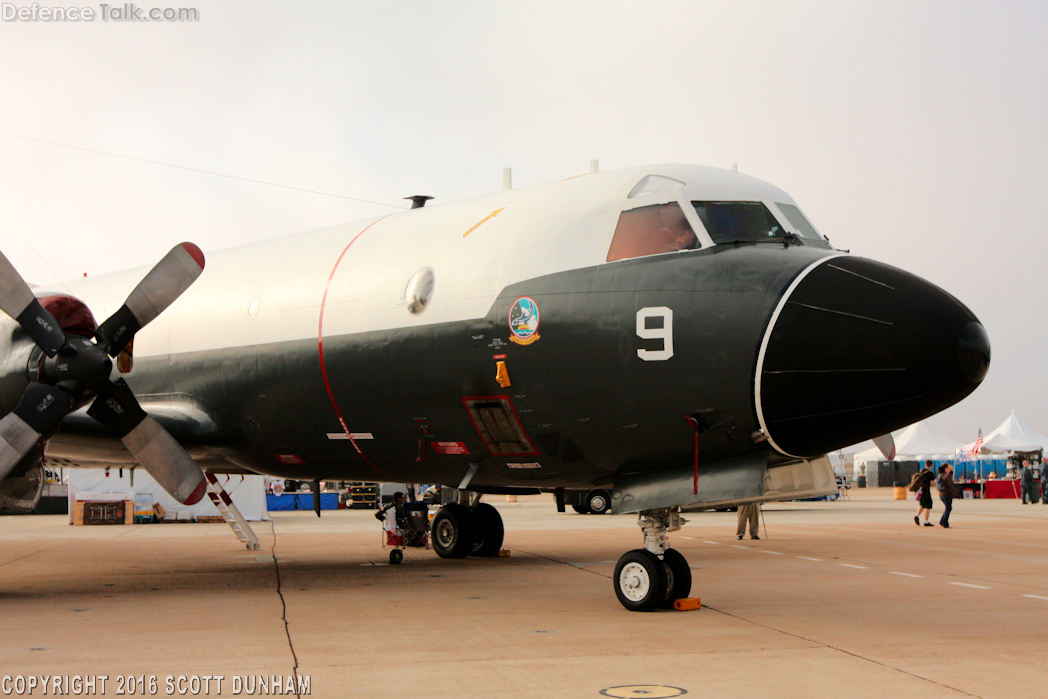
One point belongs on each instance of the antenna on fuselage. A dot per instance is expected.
(507, 178)
(419, 200)
(594, 166)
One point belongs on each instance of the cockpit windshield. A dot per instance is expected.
(738, 221)
(794, 216)
(650, 230)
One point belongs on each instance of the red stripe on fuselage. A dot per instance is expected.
(320, 346)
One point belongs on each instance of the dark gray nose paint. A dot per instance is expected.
(857, 347)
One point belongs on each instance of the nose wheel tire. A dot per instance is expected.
(489, 530)
(395, 557)
(640, 581)
(453, 531)
(679, 577)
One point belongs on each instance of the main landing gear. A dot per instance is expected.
(595, 502)
(656, 575)
(468, 527)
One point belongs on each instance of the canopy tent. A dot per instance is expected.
(917, 442)
(1012, 435)
(856, 448)
(919, 439)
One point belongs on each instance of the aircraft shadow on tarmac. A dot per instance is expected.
(258, 574)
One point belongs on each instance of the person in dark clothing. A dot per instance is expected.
(1026, 481)
(947, 492)
(393, 515)
(1044, 481)
(924, 488)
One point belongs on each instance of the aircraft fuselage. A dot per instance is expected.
(301, 357)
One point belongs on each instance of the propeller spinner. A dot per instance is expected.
(77, 372)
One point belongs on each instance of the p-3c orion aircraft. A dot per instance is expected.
(679, 335)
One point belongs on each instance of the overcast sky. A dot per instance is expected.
(913, 133)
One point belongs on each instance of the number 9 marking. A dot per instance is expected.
(665, 333)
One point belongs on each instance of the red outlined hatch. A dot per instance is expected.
(498, 425)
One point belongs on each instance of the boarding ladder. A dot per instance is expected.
(230, 513)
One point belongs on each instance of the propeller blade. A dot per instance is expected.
(165, 282)
(17, 301)
(152, 446)
(886, 443)
(38, 411)
(16, 439)
(166, 461)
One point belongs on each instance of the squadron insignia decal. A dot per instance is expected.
(524, 321)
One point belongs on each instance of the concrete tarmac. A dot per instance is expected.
(842, 599)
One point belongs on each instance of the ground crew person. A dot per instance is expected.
(748, 513)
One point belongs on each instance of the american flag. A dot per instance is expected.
(978, 444)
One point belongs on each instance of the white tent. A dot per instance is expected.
(1012, 435)
(919, 439)
(247, 492)
(917, 442)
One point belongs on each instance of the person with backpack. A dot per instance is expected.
(947, 492)
(921, 483)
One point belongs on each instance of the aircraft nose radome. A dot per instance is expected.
(861, 348)
(974, 352)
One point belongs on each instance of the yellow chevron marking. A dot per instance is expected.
(484, 220)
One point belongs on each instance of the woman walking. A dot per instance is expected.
(924, 490)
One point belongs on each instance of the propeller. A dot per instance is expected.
(167, 462)
(175, 272)
(76, 372)
(17, 301)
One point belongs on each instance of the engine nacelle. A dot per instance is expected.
(21, 490)
(17, 348)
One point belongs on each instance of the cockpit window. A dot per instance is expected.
(738, 221)
(794, 216)
(651, 230)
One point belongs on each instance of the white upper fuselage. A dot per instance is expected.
(362, 268)
(282, 347)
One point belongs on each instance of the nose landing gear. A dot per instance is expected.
(656, 575)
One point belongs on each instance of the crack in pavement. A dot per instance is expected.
(283, 605)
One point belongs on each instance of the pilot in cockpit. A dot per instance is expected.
(679, 234)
